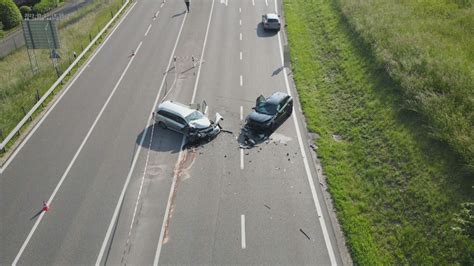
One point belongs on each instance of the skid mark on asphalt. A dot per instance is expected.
(181, 172)
(128, 244)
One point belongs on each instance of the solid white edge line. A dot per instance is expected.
(241, 159)
(242, 229)
(168, 204)
(135, 158)
(202, 54)
(63, 177)
(63, 92)
(149, 27)
(309, 176)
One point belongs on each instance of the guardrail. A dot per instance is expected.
(59, 80)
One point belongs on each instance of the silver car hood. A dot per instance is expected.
(200, 123)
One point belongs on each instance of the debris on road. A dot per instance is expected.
(268, 207)
(337, 137)
(301, 230)
(226, 131)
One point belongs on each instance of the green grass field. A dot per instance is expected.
(401, 192)
(18, 85)
(426, 46)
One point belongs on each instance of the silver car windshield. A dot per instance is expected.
(196, 115)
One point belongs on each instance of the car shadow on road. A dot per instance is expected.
(163, 140)
(262, 33)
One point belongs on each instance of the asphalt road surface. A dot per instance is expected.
(122, 191)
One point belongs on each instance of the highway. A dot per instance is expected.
(123, 191)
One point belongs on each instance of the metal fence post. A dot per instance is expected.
(24, 112)
(1, 138)
(38, 96)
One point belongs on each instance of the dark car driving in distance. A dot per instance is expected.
(270, 112)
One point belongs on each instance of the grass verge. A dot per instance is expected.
(19, 87)
(426, 47)
(398, 194)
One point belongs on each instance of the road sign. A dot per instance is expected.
(41, 34)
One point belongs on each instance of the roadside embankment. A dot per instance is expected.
(402, 194)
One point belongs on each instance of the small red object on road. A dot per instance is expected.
(45, 206)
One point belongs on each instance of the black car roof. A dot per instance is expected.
(276, 98)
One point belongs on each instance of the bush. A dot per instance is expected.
(44, 6)
(10, 15)
(25, 10)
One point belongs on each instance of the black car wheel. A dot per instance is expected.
(272, 126)
(290, 110)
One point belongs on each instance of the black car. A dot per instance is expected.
(270, 112)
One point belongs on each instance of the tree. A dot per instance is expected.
(1, 30)
(10, 15)
(25, 10)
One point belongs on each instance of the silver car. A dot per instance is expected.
(271, 21)
(186, 120)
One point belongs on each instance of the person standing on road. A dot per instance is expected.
(187, 4)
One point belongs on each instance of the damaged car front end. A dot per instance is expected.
(203, 130)
(189, 121)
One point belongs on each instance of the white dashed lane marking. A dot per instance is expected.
(242, 228)
(149, 27)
